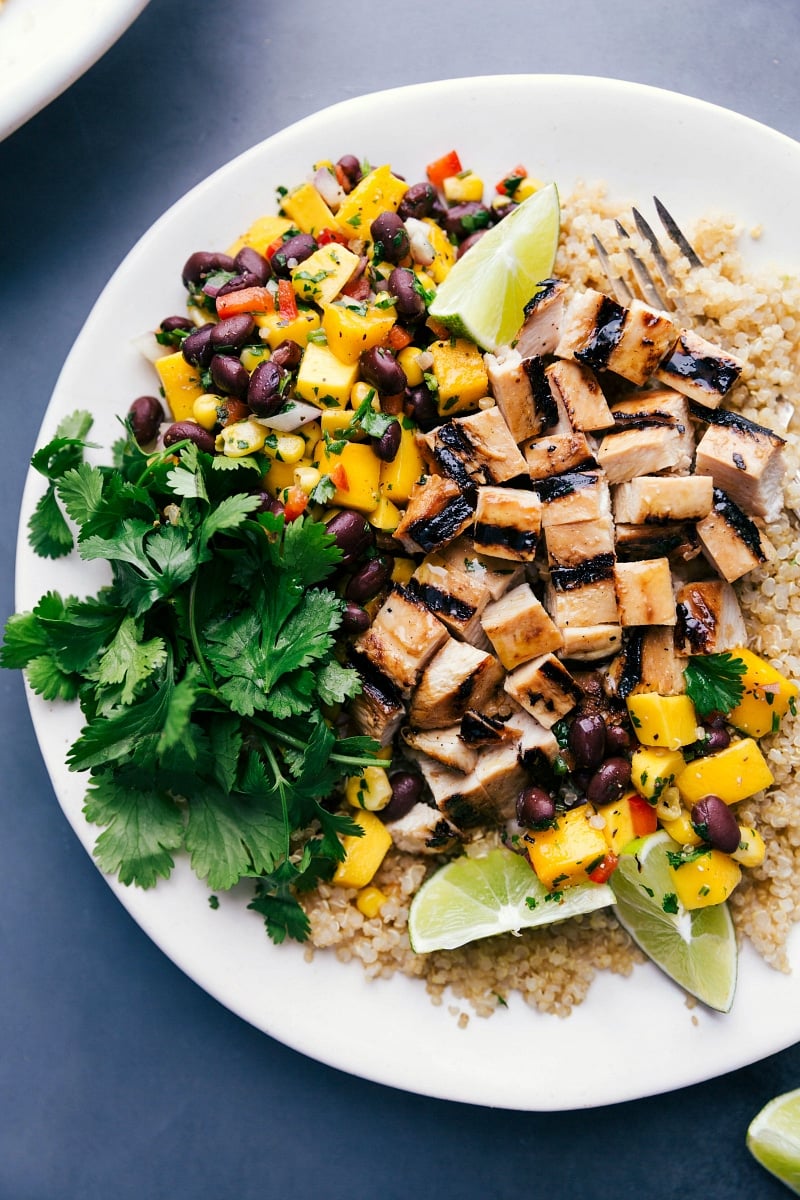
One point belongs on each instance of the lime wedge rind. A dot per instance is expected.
(773, 1139)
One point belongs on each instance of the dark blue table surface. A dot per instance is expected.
(119, 1077)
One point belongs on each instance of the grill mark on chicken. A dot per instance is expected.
(632, 657)
(521, 541)
(649, 420)
(733, 420)
(635, 542)
(382, 688)
(605, 337)
(481, 729)
(546, 289)
(441, 602)
(451, 448)
(543, 401)
(715, 375)
(694, 628)
(430, 532)
(740, 523)
(591, 570)
(560, 486)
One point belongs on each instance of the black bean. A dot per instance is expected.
(144, 417)
(718, 739)
(350, 168)
(403, 286)
(618, 740)
(420, 405)
(355, 619)
(380, 368)
(609, 781)
(268, 504)
(369, 580)
(390, 237)
(387, 445)
(229, 375)
(264, 391)
(296, 250)
(407, 788)
(233, 333)
(203, 263)
(716, 824)
(197, 348)
(469, 242)
(170, 324)
(464, 219)
(287, 354)
(351, 533)
(182, 431)
(249, 261)
(244, 280)
(587, 739)
(536, 808)
(417, 201)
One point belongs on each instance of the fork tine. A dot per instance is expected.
(645, 280)
(658, 254)
(622, 293)
(676, 234)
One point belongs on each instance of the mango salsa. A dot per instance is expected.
(768, 695)
(738, 771)
(181, 383)
(567, 853)
(668, 722)
(363, 855)
(706, 879)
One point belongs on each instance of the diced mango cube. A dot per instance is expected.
(403, 569)
(360, 467)
(261, 234)
(653, 769)
(463, 188)
(370, 900)
(322, 275)
(353, 328)
(460, 375)
(768, 695)
(281, 475)
(385, 516)
(707, 879)
(372, 790)
(751, 850)
(566, 853)
(378, 192)
(276, 328)
(682, 831)
(738, 771)
(665, 721)
(181, 383)
(335, 420)
(444, 251)
(625, 819)
(307, 210)
(363, 855)
(399, 476)
(323, 379)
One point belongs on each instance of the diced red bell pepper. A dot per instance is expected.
(442, 168)
(506, 185)
(273, 246)
(643, 816)
(605, 868)
(398, 338)
(246, 300)
(296, 502)
(339, 477)
(326, 236)
(287, 300)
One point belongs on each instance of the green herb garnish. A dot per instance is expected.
(714, 682)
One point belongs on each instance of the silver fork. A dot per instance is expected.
(647, 286)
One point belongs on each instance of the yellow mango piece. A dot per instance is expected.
(668, 722)
(371, 790)
(353, 328)
(322, 275)
(363, 855)
(751, 850)
(682, 830)
(377, 192)
(653, 769)
(307, 210)
(253, 356)
(619, 828)
(261, 234)
(768, 695)
(323, 379)
(385, 516)
(566, 853)
(281, 475)
(181, 383)
(399, 476)
(445, 252)
(738, 771)
(526, 188)
(370, 900)
(705, 880)
(403, 569)
(276, 328)
(335, 420)
(460, 374)
(361, 468)
(463, 188)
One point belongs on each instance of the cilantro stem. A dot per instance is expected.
(201, 658)
(280, 783)
(346, 760)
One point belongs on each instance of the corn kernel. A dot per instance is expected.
(371, 790)
(408, 360)
(751, 850)
(240, 439)
(370, 900)
(306, 478)
(285, 447)
(205, 410)
(668, 805)
(359, 393)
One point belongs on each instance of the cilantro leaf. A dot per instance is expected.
(143, 828)
(48, 532)
(714, 682)
(128, 660)
(80, 490)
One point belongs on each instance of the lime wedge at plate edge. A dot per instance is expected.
(697, 949)
(471, 898)
(774, 1138)
(484, 295)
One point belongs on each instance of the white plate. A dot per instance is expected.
(632, 1037)
(45, 45)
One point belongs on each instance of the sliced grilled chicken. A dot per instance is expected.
(457, 597)
(651, 498)
(653, 432)
(497, 575)
(648, 663)
(544, 688)
(555, 454)
(402, 639)
(584, 594)
(423, 830)
(458, 677)
(732, 543)
(593, 643)
(709, 618)
(644, 591)
(578, 390)
(512, 389)
(744, 459)
(507, 523)
(445, 745)
(541, 329)
(605, 336)
(577, 542)
(484, 729)
(573, 496)
(699, 369)
(474, 450)
(486, 796)
(519, 628)
(676, 540)
(378, 710)
(437, 512)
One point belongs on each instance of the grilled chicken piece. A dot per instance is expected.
(541, 330)
(457, 677)
(648, 663)
(584, 594)
(483, 729)
(457, 597)
(672, 540)
(653, 433)
(475, 449)
(744, 459)
(513, 391)
(555, 454)
(644, 591)
(652, 498)
(577, 542)
(402, 639)
(507, 523)
(423, 830)
(437, 512)
(544, 688)
(519, 628)
(445, 745)
(699, 369)
(573, 496)
(497, 575)
(593, 643)
(732, 543)
(486, 796)
(378, 710)
(709, 618)
(605, 336)
(580, 393)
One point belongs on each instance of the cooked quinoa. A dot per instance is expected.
(756, 314)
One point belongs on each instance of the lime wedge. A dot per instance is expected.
(773, 1138)
(697, 949)
(472, 898)
(485, 293)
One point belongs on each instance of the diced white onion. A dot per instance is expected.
(147, 345)
(328, 187)
(292, 416)
(421, 249)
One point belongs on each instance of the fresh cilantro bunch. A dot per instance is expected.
(203, 670)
